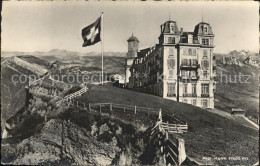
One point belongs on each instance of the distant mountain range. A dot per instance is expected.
(63, 53)
(69, 54)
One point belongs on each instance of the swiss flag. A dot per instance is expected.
(91, 34)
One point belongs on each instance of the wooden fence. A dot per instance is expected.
(108, 107)
(174, 128)
(72, 95)
(173, 152)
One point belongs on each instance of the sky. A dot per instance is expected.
(42, 26)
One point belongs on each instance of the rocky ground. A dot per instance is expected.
(81, 138)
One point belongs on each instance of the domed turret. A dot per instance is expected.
(133, 44)
(133, 38)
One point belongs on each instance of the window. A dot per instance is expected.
(204, 103)
(194, 62)
(205, 74)
(185, 101)
(194, 89)
(190, 51)
(194, 102)
(205, 30)
(184, 73)
(185, 62)
(204, 88)
(185, 88)
(171, 73)
(171, 40)
(171, 28)
(171, 89)
(170, 63)
(205, 41)
(205, 64)
(193, 74)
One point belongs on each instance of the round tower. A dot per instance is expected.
(133, 44)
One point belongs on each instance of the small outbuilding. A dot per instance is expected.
(238, 111)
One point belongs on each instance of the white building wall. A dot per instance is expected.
(166, 80)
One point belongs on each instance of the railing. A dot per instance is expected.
(204, 95)
(36, 81)
(191, 66)
(72, 95)
(171, 95)
(190, 95)
(173, 152)
(189, 77)
(174, 128)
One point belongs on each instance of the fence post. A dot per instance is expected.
(110, 106)
(135, 109)
(84, 105)
(100, 108)
(89, 106)
(167, 126)
(160, 114)
(77, 104)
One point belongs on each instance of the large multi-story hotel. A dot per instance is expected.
(181, 67)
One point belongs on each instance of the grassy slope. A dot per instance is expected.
(235, 94)
(209, 134)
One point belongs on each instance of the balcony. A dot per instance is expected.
(204, 95)
(171, 95)
(190, 95)
(189, 78)
(189, 66)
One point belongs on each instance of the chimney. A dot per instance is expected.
(181, 31)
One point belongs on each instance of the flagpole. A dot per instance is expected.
(102, 48)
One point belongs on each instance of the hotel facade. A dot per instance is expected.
(180, 68)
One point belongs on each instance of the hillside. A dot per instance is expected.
(13, 93)
(209, 134)
(237, 87)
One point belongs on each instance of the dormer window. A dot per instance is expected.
(172, 28)
(205, 29)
